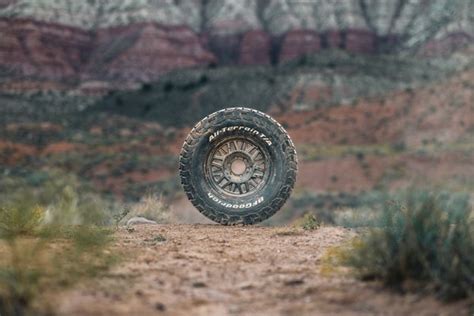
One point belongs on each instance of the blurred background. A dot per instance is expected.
(99, 95)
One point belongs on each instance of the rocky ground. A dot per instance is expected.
(216, 270)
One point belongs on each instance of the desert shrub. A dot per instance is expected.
(19, 278)
(424, 238)
(71, 207)
(48, 262)
(357, 217)
(46, 246)
(309, 222)
(20, 219)
(64, 199)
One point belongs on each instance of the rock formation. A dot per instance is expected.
(138, 41)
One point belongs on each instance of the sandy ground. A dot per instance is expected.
(216, 270)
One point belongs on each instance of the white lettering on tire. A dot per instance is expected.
(250, 130)
(235, 206)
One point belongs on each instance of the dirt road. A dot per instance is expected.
(216, 270)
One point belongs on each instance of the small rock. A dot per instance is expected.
(235, 309)
(246, 286)
(199, 284)
(294, 282)
(138, 220)
(160, 307)
(116, 297)
(157, 238)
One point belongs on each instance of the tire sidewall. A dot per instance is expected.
(261, 130)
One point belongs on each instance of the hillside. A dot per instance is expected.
(308, 83)
(362, 126)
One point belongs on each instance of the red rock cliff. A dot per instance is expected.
(43, 50)
(139, 52)
(143, 52)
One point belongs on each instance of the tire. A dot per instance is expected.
(238, 166)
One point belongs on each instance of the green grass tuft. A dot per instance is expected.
(310, 222)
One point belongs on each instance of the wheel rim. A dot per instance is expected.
(238, 167)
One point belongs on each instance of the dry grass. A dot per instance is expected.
(150, 207)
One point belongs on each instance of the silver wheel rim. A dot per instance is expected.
(237, 167)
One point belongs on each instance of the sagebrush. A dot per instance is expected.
(46, 246)
(427, 238)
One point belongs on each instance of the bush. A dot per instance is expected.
(47, 247)
(22, 219)
(60, 197)
(357, 217)
(309, 222)
(427, 238)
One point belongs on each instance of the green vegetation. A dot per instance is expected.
(65, 198)
(40, 106)
(420, 237)
(20, 219)
(309, 222)
(50, 237)
(357, 217)
(182, 97)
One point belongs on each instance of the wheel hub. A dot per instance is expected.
(237, 167)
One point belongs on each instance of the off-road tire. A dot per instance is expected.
(238, 166)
